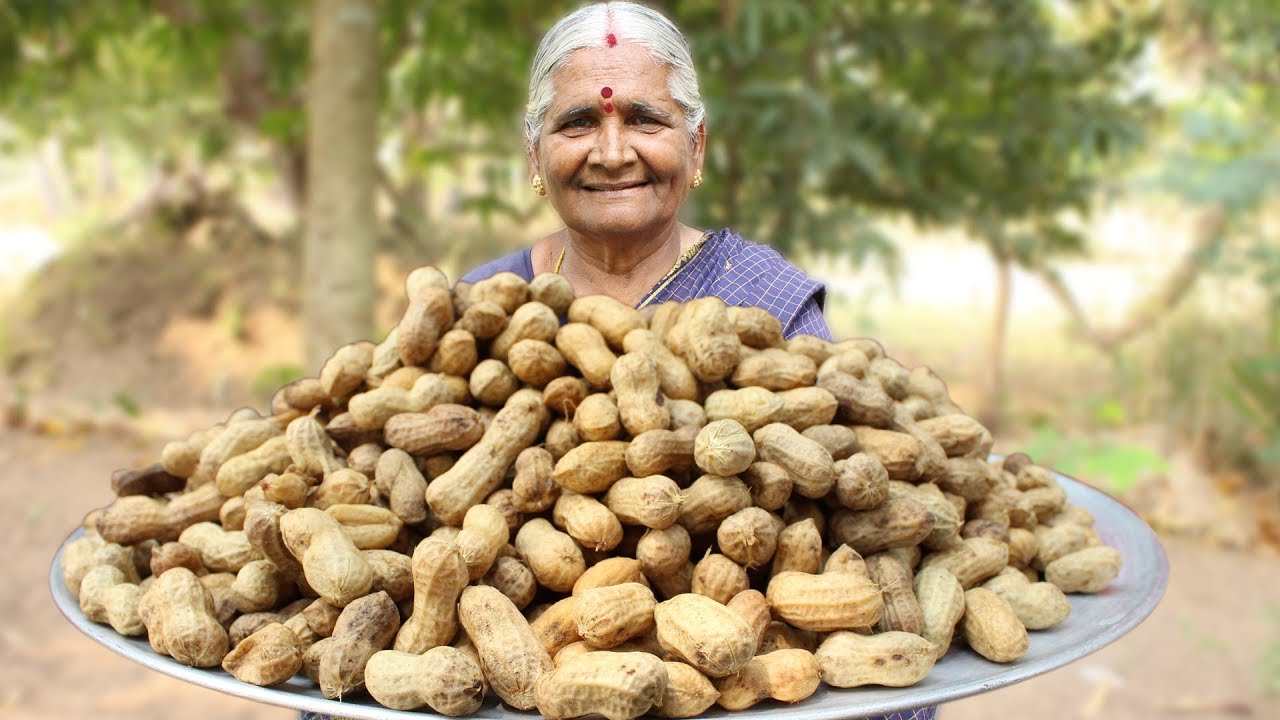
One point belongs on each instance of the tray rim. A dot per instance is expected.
(825, 704)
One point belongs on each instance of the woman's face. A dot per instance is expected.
(615, 152)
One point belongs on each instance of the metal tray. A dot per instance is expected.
(1095, 621)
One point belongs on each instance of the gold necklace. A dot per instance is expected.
(684, 258)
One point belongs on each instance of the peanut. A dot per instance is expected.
(445, 679)
(1038, 605)
(711, 499)
(552, 290)
(584, 348)
(808, 463)
(588, 521)
(480, 469)
(269, 656)
(484, 533)
(511, 655)
(688, 694)
(562, 395)
(770, 485)
(617, 685)
(799, 549)
(991, 628)
(652, 501)
(592, 467)
(553, 556)
(675, 378)
(444, 428)
(941, 598)
(608, 616)
(492, 382)
(366, 625)
(439, 577)
(429, 315)
(749, 537)
(610, 571)
(178, 613)
(704, 634)
(1089, 570)
(862, 482)
(662, 552)
(901, 608)
(827, 602)
(777, 370)
(635, 380)
(456, 354)
(514, 579)
(530, 321)
(242, 472)
(332, 565)
(555, 627)
(596, 418)
(786, 675)
(343, 486)
(723, 447)
(107, 596)
(892, 659)
(534, 487)
(719, 578)
(658, 451)
(402, 485)
(220, 550)
(370, 527)
(756, 327)
(975, 560)
(896, 522)
(392, 573)
(752, 407)
(704, 337)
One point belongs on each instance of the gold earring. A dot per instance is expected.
(538, 187)
(697, 178)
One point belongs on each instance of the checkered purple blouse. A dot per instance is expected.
(740, 273)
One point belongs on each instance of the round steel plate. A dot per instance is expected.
(1095, 621)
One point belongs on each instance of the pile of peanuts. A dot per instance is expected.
(625, 513)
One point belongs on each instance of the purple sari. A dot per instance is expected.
(739, 272)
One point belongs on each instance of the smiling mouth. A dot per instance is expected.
(614, 187)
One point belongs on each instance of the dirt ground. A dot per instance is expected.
(1209, 650)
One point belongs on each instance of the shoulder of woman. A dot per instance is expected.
(517, 262)
(756, 274)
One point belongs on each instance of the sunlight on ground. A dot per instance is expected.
(23, 248)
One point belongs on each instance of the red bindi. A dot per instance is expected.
(608, 107)
(606, 92)
(611, 39)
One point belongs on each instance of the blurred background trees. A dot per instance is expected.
(830, 124)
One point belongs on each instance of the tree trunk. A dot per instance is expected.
(340, 234)
(1164, 298)
(991, 412)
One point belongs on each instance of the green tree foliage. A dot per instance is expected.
(973, 113)
(821, 113)
(1222, 150)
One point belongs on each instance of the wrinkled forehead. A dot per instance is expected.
(628, 69)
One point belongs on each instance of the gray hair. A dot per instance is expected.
(587, 28)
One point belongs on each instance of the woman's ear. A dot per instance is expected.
(531, 153)
(699, 146)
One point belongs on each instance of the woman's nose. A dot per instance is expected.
(612, 148)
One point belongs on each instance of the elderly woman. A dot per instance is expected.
(616, 142)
